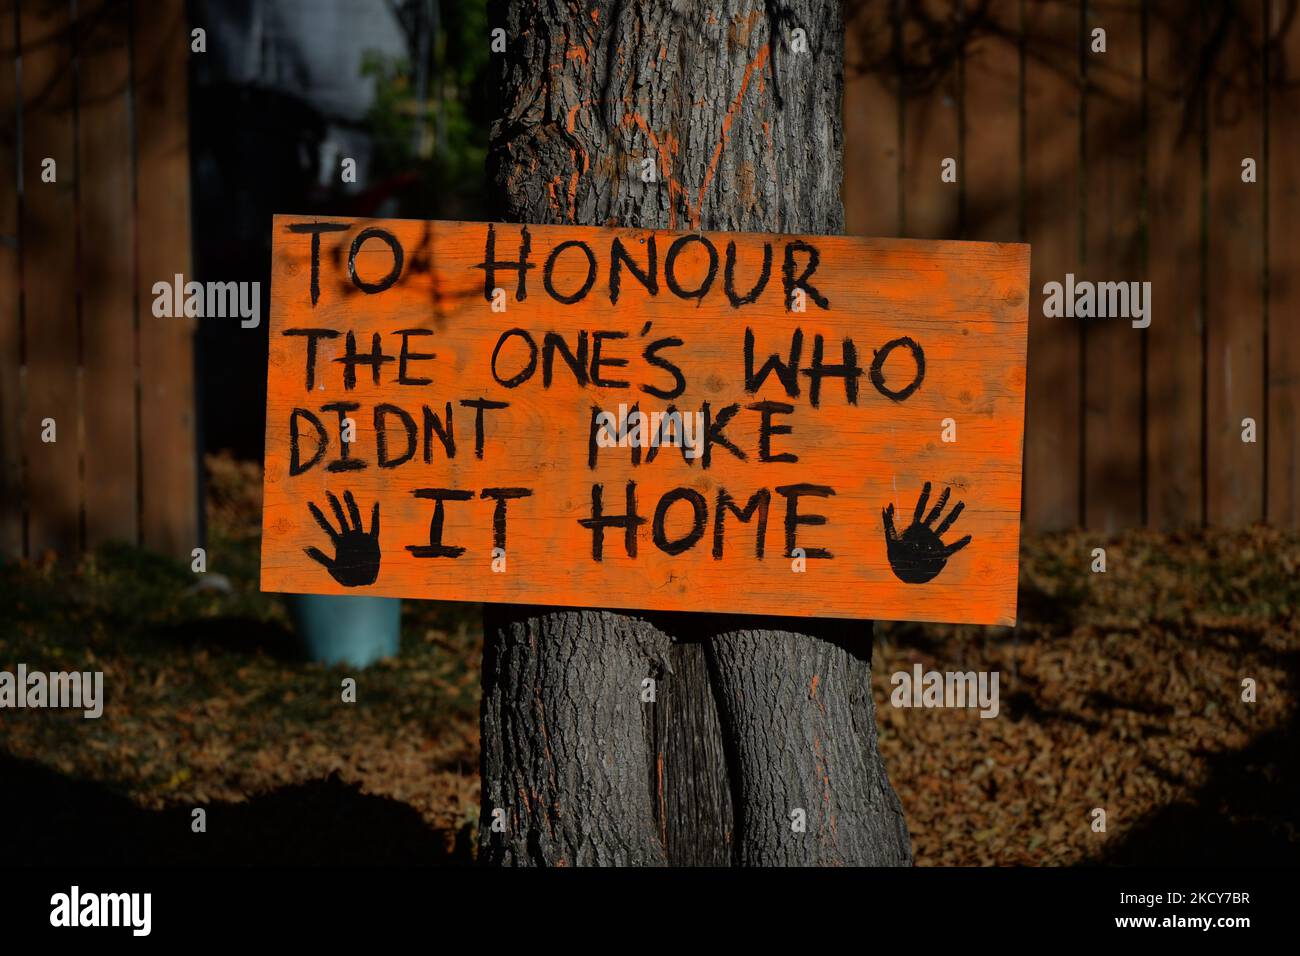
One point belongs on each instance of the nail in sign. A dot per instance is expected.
(820, 426)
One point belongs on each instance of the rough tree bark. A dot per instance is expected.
(755, 718)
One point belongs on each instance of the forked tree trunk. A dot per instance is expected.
(755, 718)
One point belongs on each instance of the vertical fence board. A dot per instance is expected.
(1234, 279)
(932, 47)
(1052, 399)
(11, 490)
(1174, 479)
(50, 305)
(1283, 435)
(108, 326)
(871, 148)
(167, 440)
(1113, 253)
(992, 177)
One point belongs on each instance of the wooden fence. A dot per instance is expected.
(1118, 165)
(99, 88)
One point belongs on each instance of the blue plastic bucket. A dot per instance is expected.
(345, 628)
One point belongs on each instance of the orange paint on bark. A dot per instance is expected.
(675, 190)
(579, 169)
(571, 120)
(756, 64)
(812, 694)
(663, 807)
(821, 770)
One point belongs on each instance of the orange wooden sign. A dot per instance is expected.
(793, 425)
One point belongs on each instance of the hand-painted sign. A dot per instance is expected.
(793, 425)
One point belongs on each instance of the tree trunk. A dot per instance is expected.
(757, 723)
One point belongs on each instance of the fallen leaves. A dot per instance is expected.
(1119, 690)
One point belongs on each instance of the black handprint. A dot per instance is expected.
(356, 552)
(917, 555)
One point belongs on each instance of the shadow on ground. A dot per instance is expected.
(1247, 814)
(235, 635)
(58, 819)
(1237, 819)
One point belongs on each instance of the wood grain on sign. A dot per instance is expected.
(454, 408)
